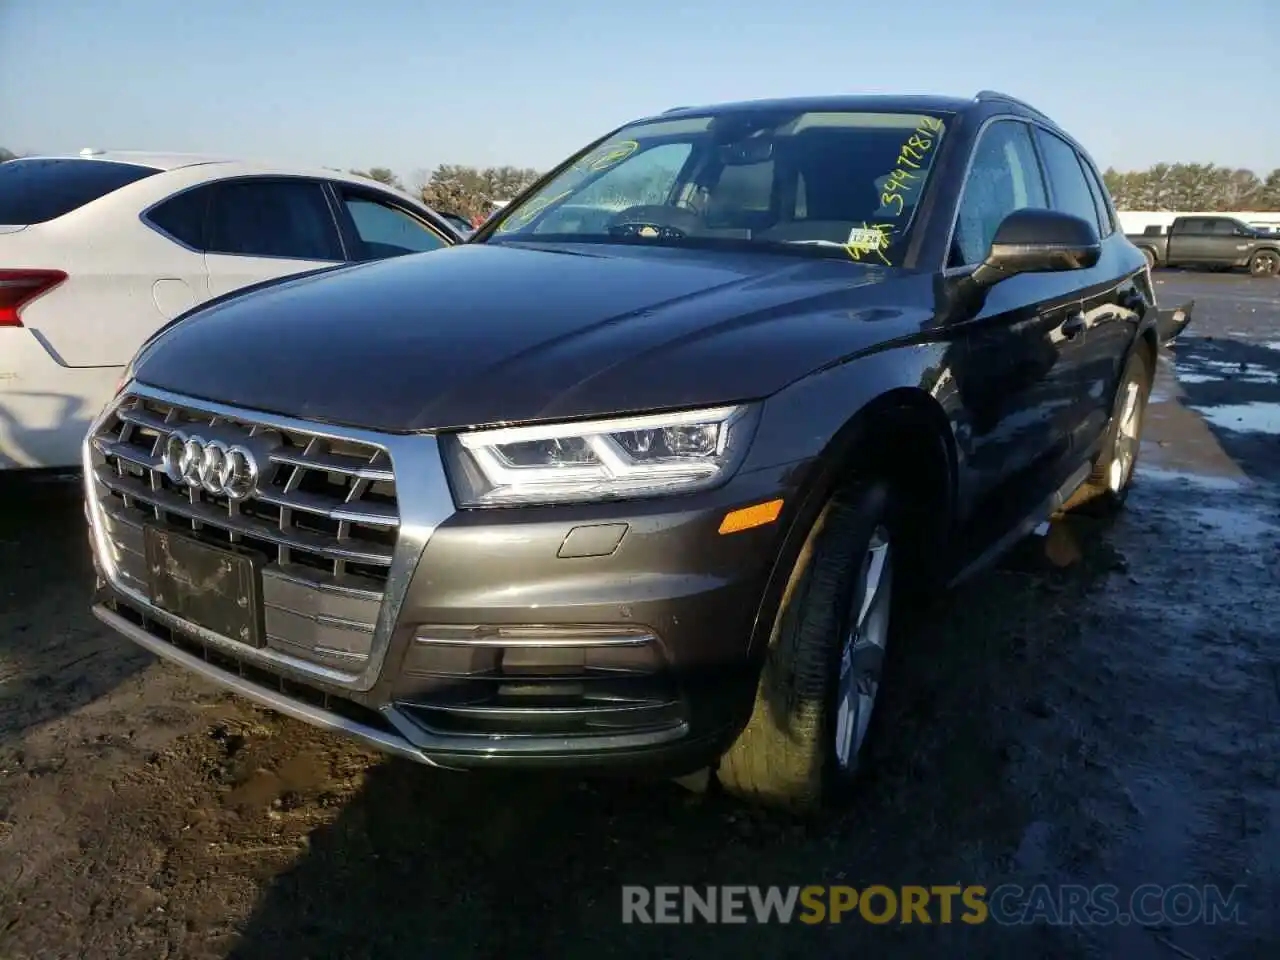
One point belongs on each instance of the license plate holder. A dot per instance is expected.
(215, 587)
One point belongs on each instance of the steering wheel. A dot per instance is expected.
(653, 221)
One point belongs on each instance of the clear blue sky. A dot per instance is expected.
(409, 84)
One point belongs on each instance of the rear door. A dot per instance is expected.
(1092, 358)
(261, 228)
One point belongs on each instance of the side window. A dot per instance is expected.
(1190, 225)
(183, 216)
(273, 218)
(386, 231)
(1099, 190)
(1071, 192)
(1004, 177)
(1221, 228)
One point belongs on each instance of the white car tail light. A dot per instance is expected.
(20, 287)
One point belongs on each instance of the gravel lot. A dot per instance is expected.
(1104, 708)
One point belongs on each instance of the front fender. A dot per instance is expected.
(808, 419)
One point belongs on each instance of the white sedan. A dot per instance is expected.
(100, 250)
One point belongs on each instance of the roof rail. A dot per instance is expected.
(1007, 98)
(672, 110)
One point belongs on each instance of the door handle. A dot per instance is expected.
(1074, 325)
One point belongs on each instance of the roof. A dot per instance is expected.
(143, 158)
(841, 102)
(236, 167)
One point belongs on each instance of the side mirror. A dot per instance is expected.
(1039, 241)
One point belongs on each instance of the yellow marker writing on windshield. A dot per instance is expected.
(912, 156)
(864, 240)
(607, 156)
(528, 213)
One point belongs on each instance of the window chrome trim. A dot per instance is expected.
(424, 500)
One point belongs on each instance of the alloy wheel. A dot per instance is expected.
(863, 650)
(1128, 437)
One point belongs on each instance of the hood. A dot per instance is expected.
(507, 333)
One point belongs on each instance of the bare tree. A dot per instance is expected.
(1193, 186)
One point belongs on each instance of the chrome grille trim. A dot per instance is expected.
(119, 499)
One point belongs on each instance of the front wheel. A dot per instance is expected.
(1265, 263)
(822, 674)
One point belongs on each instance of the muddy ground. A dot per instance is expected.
(1109, 715)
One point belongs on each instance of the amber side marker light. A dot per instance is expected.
(748, 517)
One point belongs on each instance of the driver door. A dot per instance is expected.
(1015, 382)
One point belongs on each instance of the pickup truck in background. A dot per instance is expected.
(1221, 243)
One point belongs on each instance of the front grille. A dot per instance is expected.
(324, 519)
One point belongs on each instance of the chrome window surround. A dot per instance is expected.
(424, 501)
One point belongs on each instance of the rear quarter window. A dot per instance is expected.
(39, 190)
(184, 216)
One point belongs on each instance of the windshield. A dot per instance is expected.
(843, 183)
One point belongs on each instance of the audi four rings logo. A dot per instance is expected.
(210, 464)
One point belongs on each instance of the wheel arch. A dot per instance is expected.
(902, 436)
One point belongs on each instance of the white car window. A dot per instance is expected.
(273, 218)
(385, 231)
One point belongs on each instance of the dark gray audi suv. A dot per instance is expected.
(640, 477)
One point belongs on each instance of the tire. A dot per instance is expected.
(1264, 263)
(1107, 488)
(787, 756)
(1150, 256)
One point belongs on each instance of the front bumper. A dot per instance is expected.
(594, 636)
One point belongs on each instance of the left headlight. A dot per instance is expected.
(599, 459)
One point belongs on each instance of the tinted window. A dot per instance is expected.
(273, 218)
(1190, 225)
(183, 216)
(1004, 177)
(1071, 192)
(385, 231)
(1099, 191)
(35, 191)
(1220, 228)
